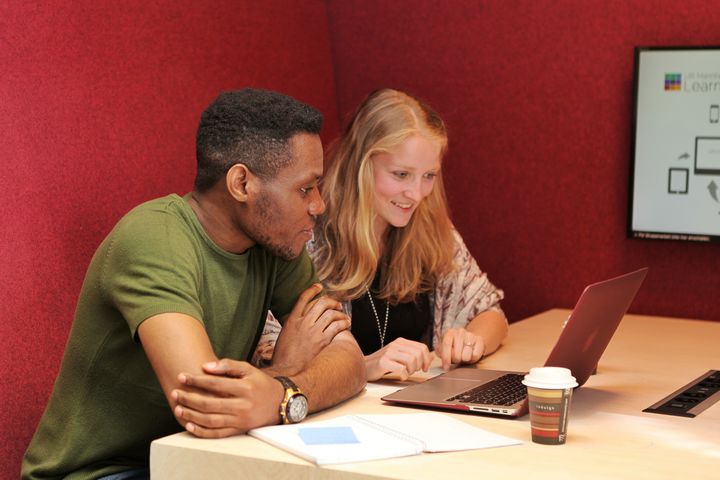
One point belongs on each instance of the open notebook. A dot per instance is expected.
(357, 438)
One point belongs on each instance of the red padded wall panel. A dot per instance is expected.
(537, 95)
(99, 102)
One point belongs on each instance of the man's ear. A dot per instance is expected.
(238, 181)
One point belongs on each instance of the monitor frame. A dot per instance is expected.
(675, 175)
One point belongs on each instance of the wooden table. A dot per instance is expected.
(609, 436)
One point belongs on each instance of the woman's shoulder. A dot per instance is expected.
(457, 238)
(459, 246)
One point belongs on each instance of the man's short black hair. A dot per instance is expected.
(251, 127)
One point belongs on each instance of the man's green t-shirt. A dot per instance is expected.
(107, 404)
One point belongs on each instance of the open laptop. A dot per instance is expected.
(582, 341)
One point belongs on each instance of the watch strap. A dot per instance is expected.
(287, 383)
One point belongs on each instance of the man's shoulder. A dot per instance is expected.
(162, 224)
(163, 211)
(172, 204)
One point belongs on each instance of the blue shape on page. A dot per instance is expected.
(327, 435)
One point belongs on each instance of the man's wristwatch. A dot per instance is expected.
(294, 407)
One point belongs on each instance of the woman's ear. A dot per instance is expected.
(237, 180)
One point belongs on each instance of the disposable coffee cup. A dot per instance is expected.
(549, 394)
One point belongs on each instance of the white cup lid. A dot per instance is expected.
(550, 377)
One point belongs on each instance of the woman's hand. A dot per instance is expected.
(460, 346)
(400, 357)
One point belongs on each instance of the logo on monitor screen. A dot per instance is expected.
(673, 82)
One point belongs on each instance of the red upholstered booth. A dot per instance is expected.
(99, 103)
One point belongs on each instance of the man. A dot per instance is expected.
(183, 281)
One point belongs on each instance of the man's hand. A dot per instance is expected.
(460, 346)
(309, 328)
(231, 398)
(400, 357)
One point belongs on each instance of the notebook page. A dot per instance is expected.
(339, 440)
(440, 432)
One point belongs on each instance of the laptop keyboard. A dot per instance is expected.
(504, 390)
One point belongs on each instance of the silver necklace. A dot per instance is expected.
(383, 329)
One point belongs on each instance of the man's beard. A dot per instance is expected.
(282, 251)
(266, 218)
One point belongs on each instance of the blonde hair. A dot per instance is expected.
(348, 253)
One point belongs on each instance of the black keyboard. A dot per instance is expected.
(505, 390)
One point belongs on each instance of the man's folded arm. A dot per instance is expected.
(217, 398)
(335, 374)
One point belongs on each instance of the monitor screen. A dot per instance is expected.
(675, 167)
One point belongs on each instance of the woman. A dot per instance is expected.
(386, 247)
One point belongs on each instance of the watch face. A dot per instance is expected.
(297, 408)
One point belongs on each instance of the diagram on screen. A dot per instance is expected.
(678, 180)
(706, 162)
(707, 156)
(676, 160)
(713, 188)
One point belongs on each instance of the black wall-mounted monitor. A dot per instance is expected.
(675, 167)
